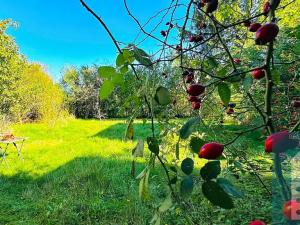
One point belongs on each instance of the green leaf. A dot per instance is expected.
(216, 195)
(142, 57)
(162, 96)
(211, 170)
(222, 72)
(229, 188)
(187, 129)
(153, 145)
(187, 166)
(128, 56)
(196, 143)
(186, 186)
(118, 79)
(106, 71)
(247, 82)
(276, 76)
(224, 93)
(124, 69)
(166, 204)
(212, 62)
(106, 89)
(144, 186)
(120, 61)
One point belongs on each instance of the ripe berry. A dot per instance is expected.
(163, 33)
(266, 8)
(237, 61)
(212, 6)
(196, 38)
(290, 209)
(254, 27)
(191, 38)
(266, 33)
(280, 142)
(195, 89)
(230, 111)
(257, 222)
(178, 48)
(296, 104)
(196, 105)
(258, 74)
(189, 78)
(247, 23)
(170, 24)
(211, 150)
(194, 99)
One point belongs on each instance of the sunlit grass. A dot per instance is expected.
(78, 172)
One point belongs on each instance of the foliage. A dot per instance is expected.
(213, 47)
(27, 93)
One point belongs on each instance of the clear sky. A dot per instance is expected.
(57, 33)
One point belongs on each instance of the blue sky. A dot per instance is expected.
(58, 33)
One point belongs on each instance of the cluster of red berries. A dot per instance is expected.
(194, 90)
(163, 32)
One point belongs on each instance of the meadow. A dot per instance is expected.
(78, 172)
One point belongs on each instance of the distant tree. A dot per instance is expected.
(81, 87)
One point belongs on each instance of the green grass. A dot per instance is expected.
(78, 172)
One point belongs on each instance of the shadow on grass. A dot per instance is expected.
(117, 131)
(93, 189)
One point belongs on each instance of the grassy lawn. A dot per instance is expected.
(78, 172)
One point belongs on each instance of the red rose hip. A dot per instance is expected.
(254, 27)
(280, 142)
(258, 74)
(196, 105)
(257, 222)
(195, 89)
(266, 33)
(194, 99)
(290, 209)
(211, 150)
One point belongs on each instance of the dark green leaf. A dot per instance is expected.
(224, 93)
(142, 57)
(216, 195)
(229, 188)
(211, 170)
(153, 145)
(162, 96)
(187, 186)
(212, 62)
(196, 143)
(187, 129)
(187, 166)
